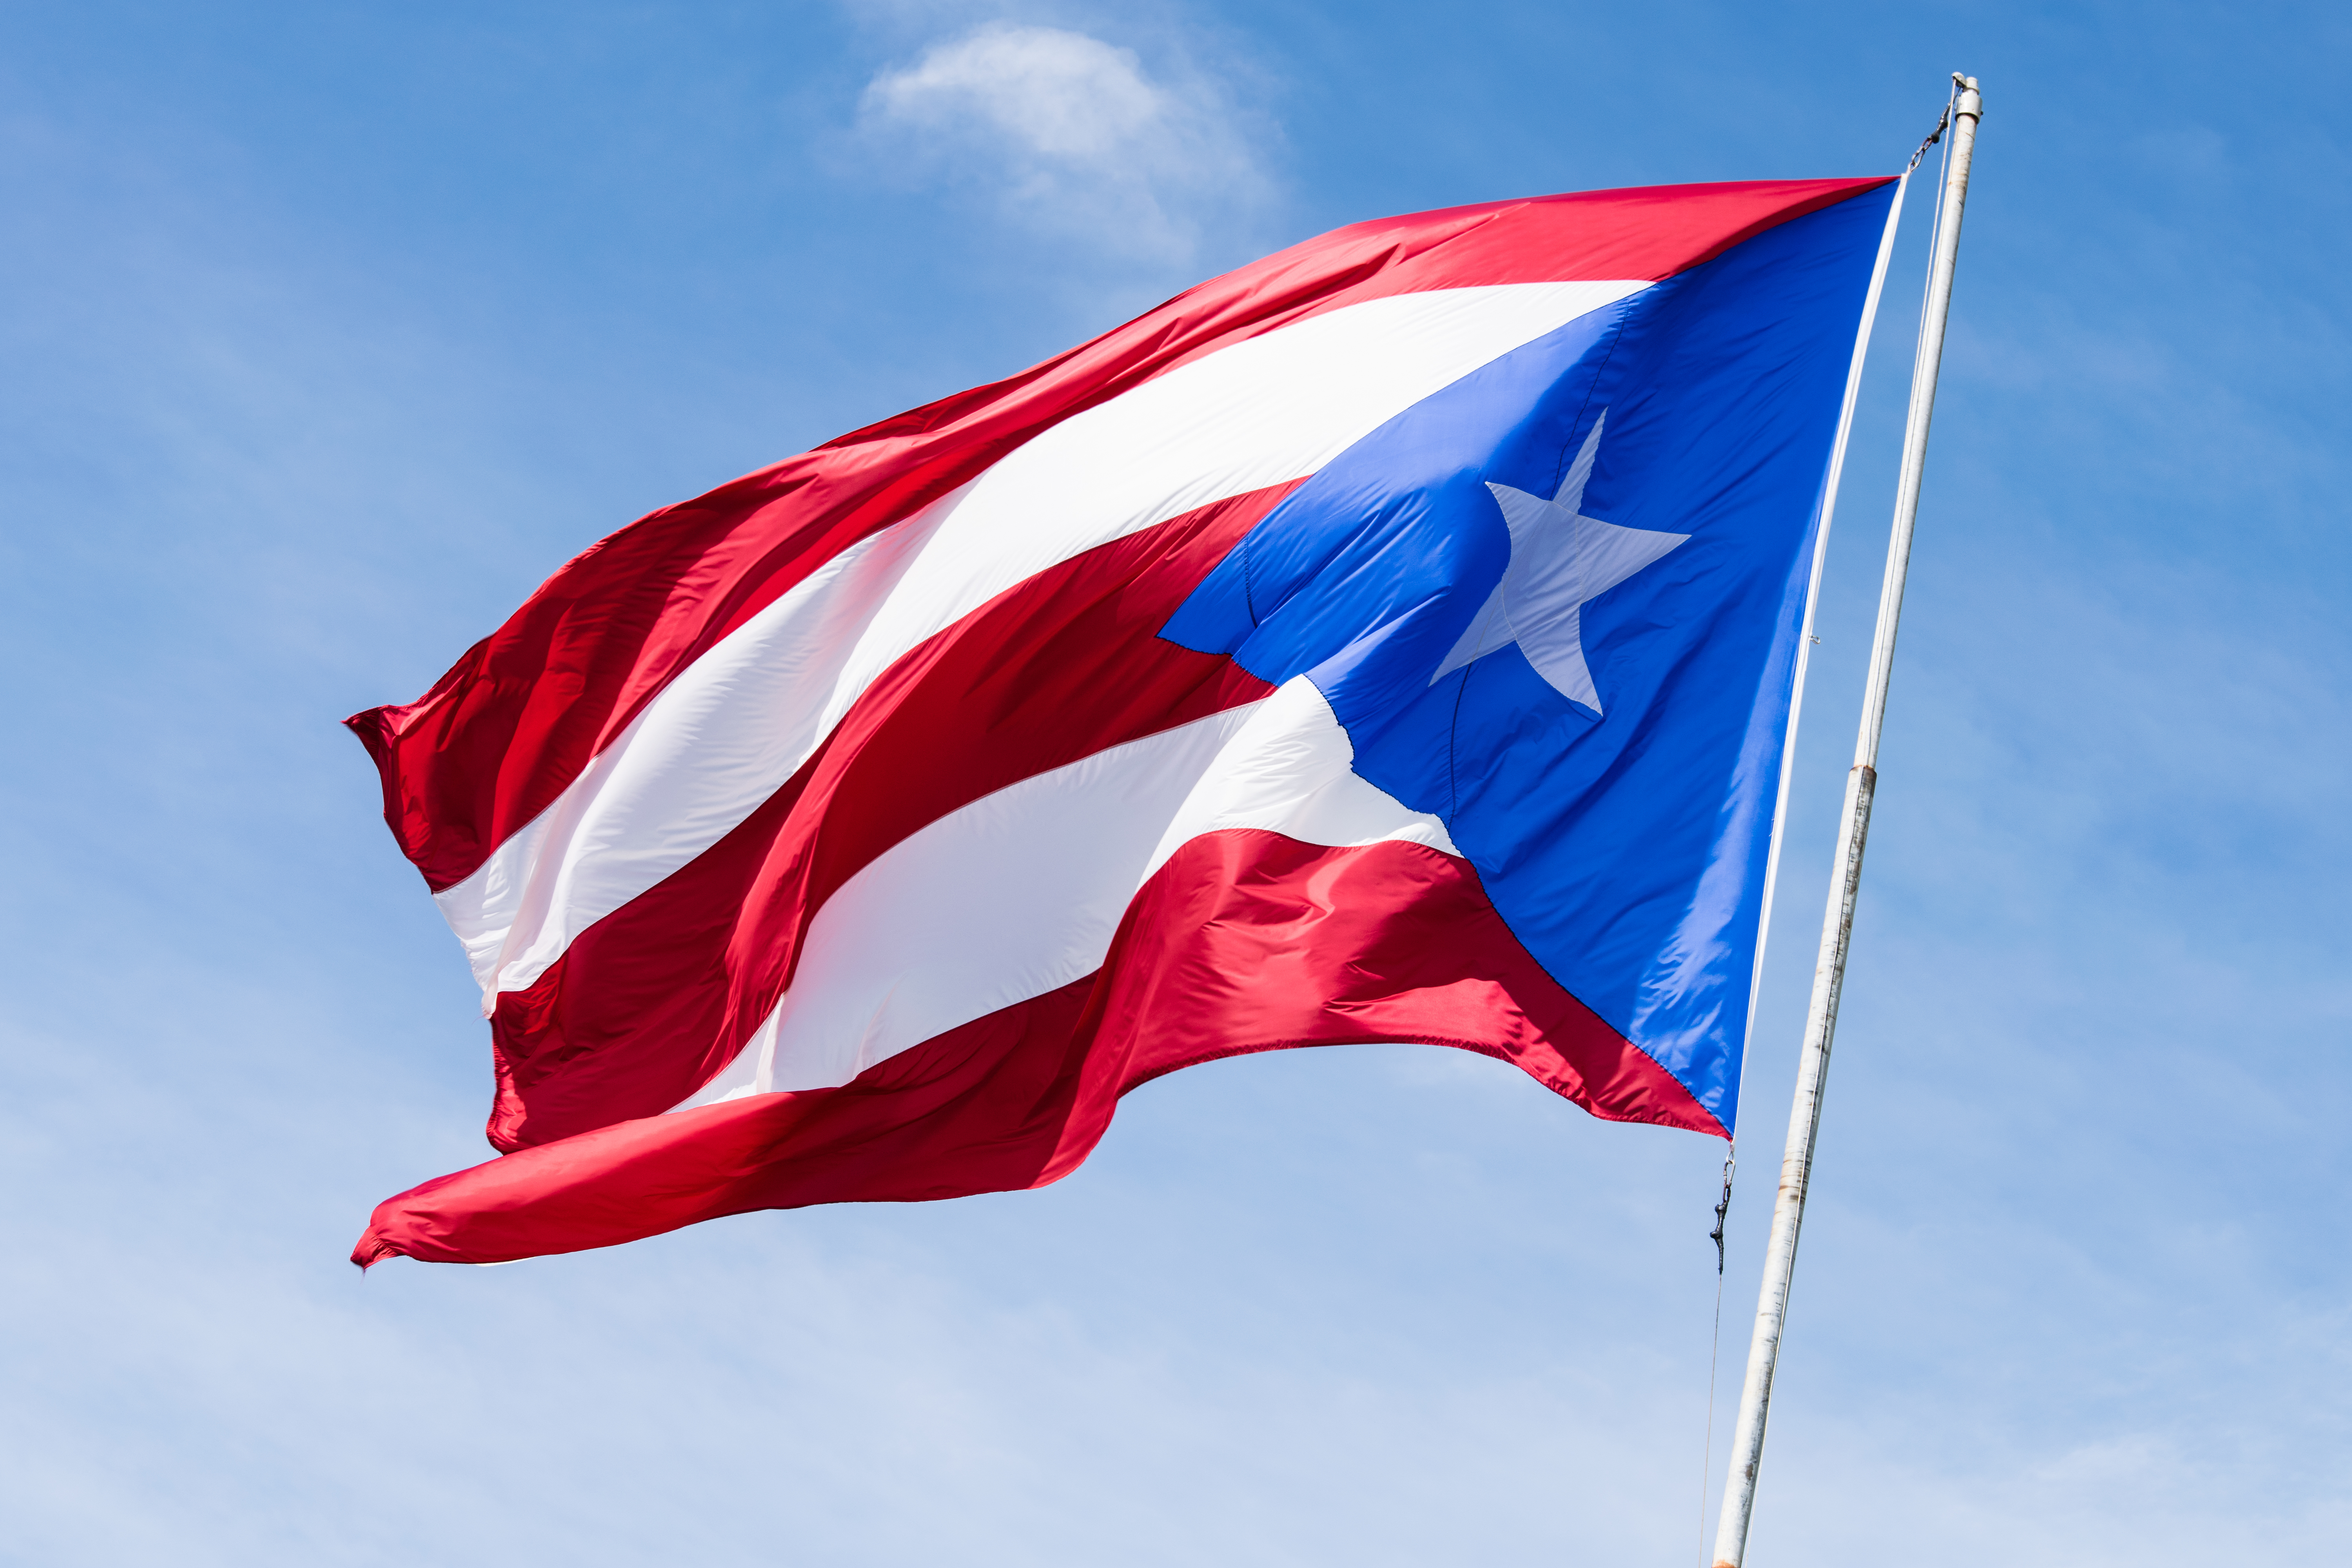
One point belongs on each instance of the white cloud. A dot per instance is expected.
(1073, 136)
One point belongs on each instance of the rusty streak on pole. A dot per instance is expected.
(1837, 927)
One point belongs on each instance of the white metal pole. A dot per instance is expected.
(1837, 925)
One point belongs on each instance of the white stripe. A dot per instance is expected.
(1291, 769)
(1019, 894)
(711, 747)
(725, 733)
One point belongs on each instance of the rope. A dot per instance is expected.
(1722, 1209)
(1935, 225)
(1715, 1343)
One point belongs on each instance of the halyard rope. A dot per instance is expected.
(1715, 1340)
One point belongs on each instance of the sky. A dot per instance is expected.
(332, 329)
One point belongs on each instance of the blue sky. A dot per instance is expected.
(332, 329)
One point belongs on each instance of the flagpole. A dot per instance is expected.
(1837, 925)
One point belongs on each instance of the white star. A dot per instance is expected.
(1560, 559)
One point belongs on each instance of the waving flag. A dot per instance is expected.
(1392, 640)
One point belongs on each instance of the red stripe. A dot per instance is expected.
(652, 1000)
(1244, 942)
(513, 722)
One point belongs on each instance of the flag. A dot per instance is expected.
(1392, 640)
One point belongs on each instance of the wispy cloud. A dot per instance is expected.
(1073, 137)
